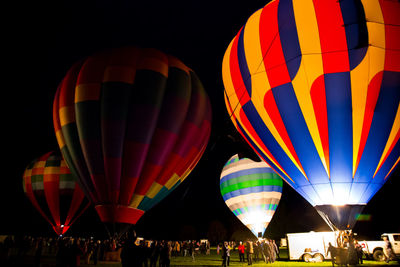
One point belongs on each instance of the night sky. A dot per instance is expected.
(43, 39)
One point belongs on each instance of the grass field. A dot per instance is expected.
(216, 260)
(209, 260)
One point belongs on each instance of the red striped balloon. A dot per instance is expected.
(132, 123)
(54, 192)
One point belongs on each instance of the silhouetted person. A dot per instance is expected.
(332, 251)
(224, 254)
(75, 253)
(38, 253)
(154, 253)
(360, 253)
(165, 254)
(129, 252)
(62, 253)
(96, 252)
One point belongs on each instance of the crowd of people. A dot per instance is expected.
(70, 251)
(159, 253)
(262, 250)
(133, 251)
(350, 254)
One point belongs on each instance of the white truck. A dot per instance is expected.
(311, 246)
(375, 249)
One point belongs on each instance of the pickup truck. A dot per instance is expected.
(375, 249)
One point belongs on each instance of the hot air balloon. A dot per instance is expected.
(252, 191)
(54, 192)
(314, 88)
(132, 123)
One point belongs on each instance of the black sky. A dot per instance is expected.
(43, 39)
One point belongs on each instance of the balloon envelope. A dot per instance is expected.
(54, 192)
(252, 191)
(313, 86)
(132, 123)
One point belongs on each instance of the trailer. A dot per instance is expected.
(311, 246)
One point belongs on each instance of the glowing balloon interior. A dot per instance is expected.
(54, 191)
(252, 191)
(132, 123)
(314, 88)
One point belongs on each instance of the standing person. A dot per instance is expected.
(61, 253)
(272, 251)
(276, 249)
(177, 248)
(332, 251)
(256, 250)
(267, 252)
(218, 249)
(192, 250)
(38, 253)
(142, 254)
(241, 251)
(165, 254)
(208, 249)
(75, 253)
(154, 253)
(96, 250)
(228, 254)
(162, 260)
(352, 258)
(8, 245)
(360, 253)
(388, 250)
(249, 251)
(224, 254)
(129, 252)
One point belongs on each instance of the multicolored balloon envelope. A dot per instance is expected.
(132, 123)
(252, 191)
(314, 88)
(54, 191)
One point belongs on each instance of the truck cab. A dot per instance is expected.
(375, 249)
(394, 239)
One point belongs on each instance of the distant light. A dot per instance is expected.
(62, 225)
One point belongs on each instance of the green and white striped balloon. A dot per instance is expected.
(252, 191)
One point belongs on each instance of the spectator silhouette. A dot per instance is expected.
(129, 253)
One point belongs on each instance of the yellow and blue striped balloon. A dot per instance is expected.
(252, 191)
(313, 86)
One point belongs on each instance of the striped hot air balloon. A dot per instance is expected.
(252, 191)
(132, 123)
(314, 88)
(54, 192)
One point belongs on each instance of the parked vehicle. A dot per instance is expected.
(375, 249)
